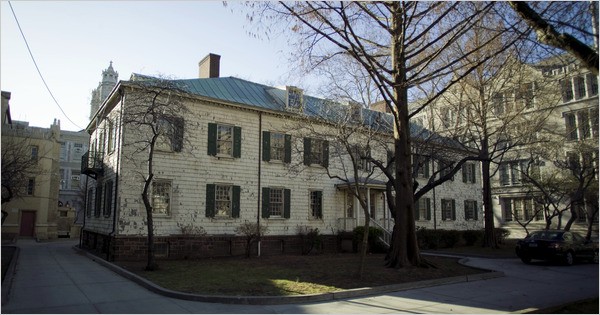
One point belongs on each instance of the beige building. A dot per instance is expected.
(530, 112)
(33, 211)
(241, 152)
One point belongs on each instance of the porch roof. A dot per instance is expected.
(362, 182)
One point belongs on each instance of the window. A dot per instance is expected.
(566, 90)
(34, 152)
(170, 130)
(108, 193)
(579, 87)
(98, 199)
(524, 95)
(277, 147)
(423, 209)
(75, 178)
(111, 137)
(448, 209)
(420, 166)
(224, 140)
(506, 209)
(276, 203)
(316, 152)
(468, 173)
(592, 81)
(470, 210)
(498, 103)
(571, 126)
(316, 204)
(90, 202)
(446, 168)
(63, 179)
(448, 117)
(361, 157)
(222, 201)
(30, 186)
(294, 98)
(583, 120)
(161, 197)
(513, 173)
(350, 204)
(63, 152)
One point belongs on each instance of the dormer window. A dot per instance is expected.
(294, 98)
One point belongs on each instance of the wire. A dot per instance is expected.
(38, 69)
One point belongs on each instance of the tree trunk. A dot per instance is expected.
(572, 219)
(489, 237)
(151, 260)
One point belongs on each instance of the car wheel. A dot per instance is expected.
(569, 258)
(526, 259)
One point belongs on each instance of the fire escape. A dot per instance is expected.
(91, 164)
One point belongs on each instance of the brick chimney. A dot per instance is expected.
(209, 66)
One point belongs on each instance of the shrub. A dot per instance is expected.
(190, 229)
(251, 232)
(311, 238)
(375, 244)
(501, 234)
(434, 239)
(471, 236)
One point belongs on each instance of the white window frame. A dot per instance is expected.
(161, 204)
(224, 145)
(276, 202)
(277, 146)
(223, 200)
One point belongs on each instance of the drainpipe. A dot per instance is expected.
(259, 175)
(116, 195)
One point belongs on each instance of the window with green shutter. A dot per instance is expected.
(316, 152)
(222, 201)
(423, 209)
(276, 147)
(224, 140)
(276, 202)
(470, 210)
(448, 209)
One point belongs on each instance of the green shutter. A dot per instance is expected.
(266, 146)
(466, 209)
(320, 209)
(237, 142)
(212, 139)
(266, 194)
(453, 209)
(210, 200)
(474, 177)
(306, 151)
(235, 206)
(286, 203)
(288, 149)
(426, 166)
(464, 172)
(475, 209)
(416, 209)
(428, 201)
(325, 153)
(177, 141)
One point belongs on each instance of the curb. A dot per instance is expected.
(274, 300)
(8, 278)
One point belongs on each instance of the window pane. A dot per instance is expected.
(316, 151)
(276, 202)
(161, 197)
(225, 140)
(315, 204)
(223, 200)
(277, 146)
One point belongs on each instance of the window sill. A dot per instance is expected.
(277, 218)
(221, 218)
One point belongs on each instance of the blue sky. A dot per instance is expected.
(73, 41)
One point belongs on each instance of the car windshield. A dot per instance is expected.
(546, 235)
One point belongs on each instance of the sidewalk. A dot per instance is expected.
(54, 278)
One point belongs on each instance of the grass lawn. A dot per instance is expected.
(288, 274)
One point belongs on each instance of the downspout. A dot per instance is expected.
(87, 179)
(259, 175)
(116, 195)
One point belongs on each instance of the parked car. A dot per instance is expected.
(557, 245)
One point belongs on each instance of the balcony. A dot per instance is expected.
(91, 164)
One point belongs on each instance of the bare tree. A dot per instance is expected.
(153, 114)
(564, 25)
(20, 160)
(401, 46)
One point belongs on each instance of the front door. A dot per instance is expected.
(27, 223)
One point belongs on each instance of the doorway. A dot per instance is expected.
(27, 223)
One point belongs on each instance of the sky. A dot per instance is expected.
(72, 42)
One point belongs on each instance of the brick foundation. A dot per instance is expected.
(133, 248)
